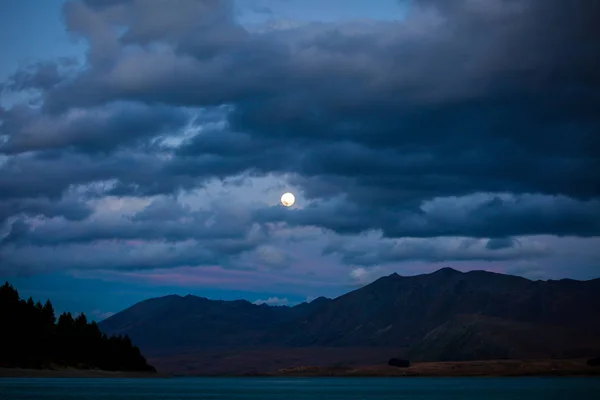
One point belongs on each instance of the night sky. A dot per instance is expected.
(145, 144)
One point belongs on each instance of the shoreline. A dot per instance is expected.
(76, 373)
(448, 369)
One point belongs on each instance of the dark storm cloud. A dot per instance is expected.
(162, 235)
(388, 60)
(470, 111)
(99, 129)
(121, 256)
(383, 252)
(490, 217)
(39, 76)
(123, 173)
(162, 210)
(224, 153)
(70, 209)
(500, 243)
(160, 220)
(463, 97)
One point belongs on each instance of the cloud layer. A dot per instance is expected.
(467, 131)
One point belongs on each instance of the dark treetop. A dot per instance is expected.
(30, 337)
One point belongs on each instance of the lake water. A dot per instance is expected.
(300, 388)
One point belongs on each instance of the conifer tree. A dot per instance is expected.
(31, 337)
(48, 313)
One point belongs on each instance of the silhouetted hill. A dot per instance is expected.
(443, 315)
(174, 322)
(30, 337)
(400, 311)
(475, 337)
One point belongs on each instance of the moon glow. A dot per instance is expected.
(288, 199)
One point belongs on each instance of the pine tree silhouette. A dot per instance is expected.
(31, 337)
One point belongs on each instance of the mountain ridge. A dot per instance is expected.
(393, 311)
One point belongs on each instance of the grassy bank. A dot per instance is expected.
(576, 367)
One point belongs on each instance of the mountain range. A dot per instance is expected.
(443, 316)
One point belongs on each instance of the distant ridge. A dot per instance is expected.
(443, 315)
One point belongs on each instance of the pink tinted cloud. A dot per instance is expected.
(220, 278)
(187, 276)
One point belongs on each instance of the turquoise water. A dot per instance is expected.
(300, 388)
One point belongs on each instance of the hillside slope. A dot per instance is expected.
(472, 337)
(443, 315)
(400, 311)
(175, 323)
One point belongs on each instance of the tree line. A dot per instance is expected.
(31, 337)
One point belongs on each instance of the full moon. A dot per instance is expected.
(288, 199)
